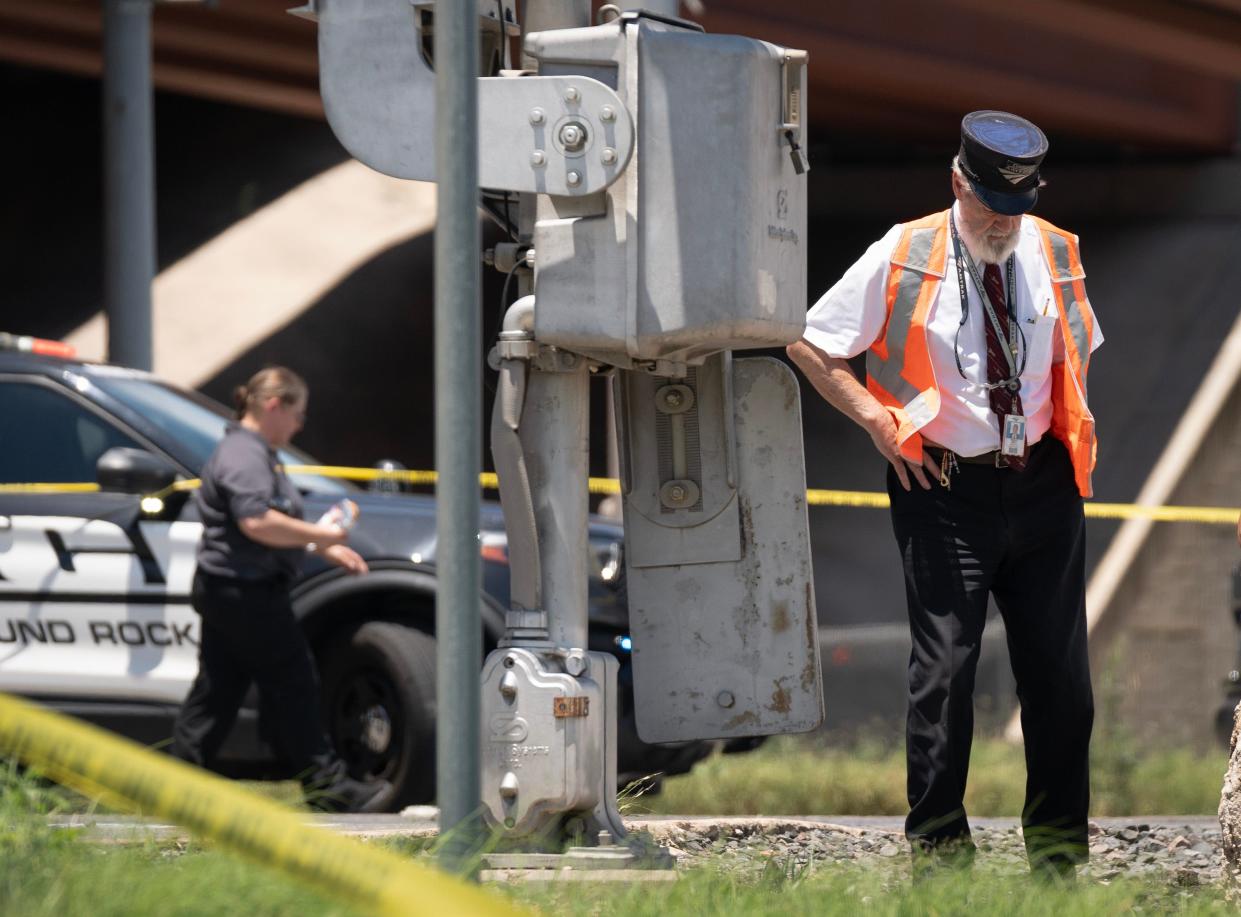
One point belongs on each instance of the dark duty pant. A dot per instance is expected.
(249, 635)
(1020, 538)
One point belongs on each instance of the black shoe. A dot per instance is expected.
(344, 794)
(930, 860)
(1053, 870)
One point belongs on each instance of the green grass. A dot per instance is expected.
(782, 890)
(44, 871)
(788, 776)
(44, 874)
(55, 872)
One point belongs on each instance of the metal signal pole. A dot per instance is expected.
(458, 425)
(129, 181)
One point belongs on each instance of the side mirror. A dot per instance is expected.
(133, 471)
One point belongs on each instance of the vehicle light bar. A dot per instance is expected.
(43, 346)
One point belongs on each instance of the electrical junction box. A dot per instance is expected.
(698, 245)
(545, 751)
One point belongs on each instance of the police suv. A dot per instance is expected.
(95, 618)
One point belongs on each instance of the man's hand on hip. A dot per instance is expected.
(882, 429)
(834, 380)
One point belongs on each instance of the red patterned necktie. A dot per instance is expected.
(1004, 401)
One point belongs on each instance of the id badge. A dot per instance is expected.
(1014, 440)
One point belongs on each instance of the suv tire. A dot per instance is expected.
(379, 706)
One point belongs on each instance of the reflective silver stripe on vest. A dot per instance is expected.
(1060, 257)
(913, 274)
(1072, 308)
(1077, 324)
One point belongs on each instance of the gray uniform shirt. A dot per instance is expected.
(239, 481)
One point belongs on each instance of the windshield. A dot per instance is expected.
(196, 424)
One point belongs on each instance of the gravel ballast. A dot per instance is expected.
(1184, 852)
(1179, 850)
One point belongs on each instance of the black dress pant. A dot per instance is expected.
(1017, 536)
(249, 635)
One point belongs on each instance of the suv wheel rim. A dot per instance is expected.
(376, 729)
(363, 728)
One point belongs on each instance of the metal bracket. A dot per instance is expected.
(559, 135)
(525, 619)
(555, 360)
(517, 350)
(542, 357)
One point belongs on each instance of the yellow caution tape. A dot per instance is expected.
(125, 775)
(373, 474)
(84, 488)
(1212, 515)
(1216, 515)
(603, 485)
(846, 498)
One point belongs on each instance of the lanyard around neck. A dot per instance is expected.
(1013, 382)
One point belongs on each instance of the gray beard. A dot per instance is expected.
(997, 252)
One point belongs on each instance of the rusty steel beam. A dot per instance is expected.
(941, 65)
(188, 80)
(1233, 6)
(1140, 72)
(53, 53)
(203, 37)
(876, 76)
(238, 89)
(1205, 38)
(245, 52)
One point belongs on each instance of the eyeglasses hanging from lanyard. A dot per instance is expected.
(1016, 337)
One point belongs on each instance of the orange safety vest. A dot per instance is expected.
(898, 365)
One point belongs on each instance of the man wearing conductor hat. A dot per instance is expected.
(978, 337)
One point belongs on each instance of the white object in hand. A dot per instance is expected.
(343, 515)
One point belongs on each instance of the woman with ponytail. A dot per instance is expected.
(254, 540)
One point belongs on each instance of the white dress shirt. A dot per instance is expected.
(849, 317)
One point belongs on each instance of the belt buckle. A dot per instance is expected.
(1001, 460)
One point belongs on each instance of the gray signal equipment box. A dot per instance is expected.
(698, 246)
(664, 171)
(694, 251)
(718, 569)
(538, 733)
